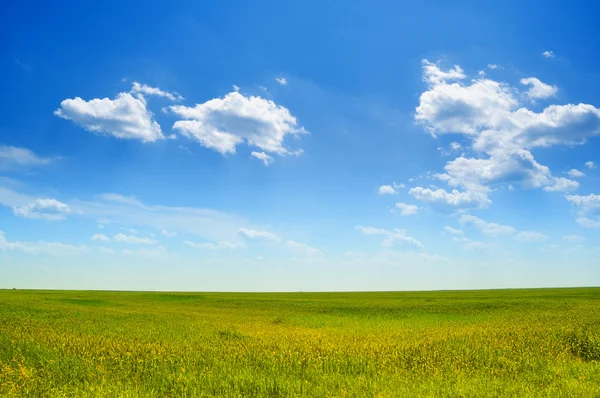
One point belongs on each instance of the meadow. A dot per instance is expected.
(521, 343)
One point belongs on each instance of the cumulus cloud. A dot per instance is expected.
(147, 90)
(590, 165)
(406, 209)
(224, 123)
(391, 236)
(585, 204)
(530, 236)
(574, 173)
(126, 116)
(538, 88)
(43, 209)
(548, 54)
(12, 157)
(502, 131)
(387, 190)
(120, 237)
(256, 235)
(266, 159)
(488, 228)
(221, 245)
(101, 237)
(442, 199)
(41, 247)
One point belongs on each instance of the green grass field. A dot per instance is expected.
(538, 342)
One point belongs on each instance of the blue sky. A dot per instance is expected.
(299, 146)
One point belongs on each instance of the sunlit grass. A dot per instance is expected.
(543, 342)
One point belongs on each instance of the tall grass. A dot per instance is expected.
(518, 343)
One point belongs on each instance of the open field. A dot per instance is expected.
(539, 342)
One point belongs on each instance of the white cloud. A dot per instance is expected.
(120, 237)
(590, 165)
(43, 209)
(586, 204)
(494, 66)
(125, 116)
(221, 245)
(530, 236)
(538, 88)
(252, 234)
(266, 159)
(302, 249)
(548, 54)
(223, 123)
(167, 233)
(562, 184)
(573, 238)
(406, 209)
(453, 231)
(588, 223)
(502, 129)
(41, 247)
(488, 228)
(433, 75)
(236, 88)
(12, 157)
(147, 90)
(101, 237)
(441, 199)
(455, 146)
(574, 173)
(387, 190)
(391, 236)
(281, 80)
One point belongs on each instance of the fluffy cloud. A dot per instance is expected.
(224, 123)
(391, 236)
(585, 204)
(387, 190)
(120, 237)
(530, 236)
(538, 88)
(126, 116)
(255, 235)
(442, 200)
(266, 159)
(101, 237)
(574, 173)
(590, 165)
(44, 209)
(501, 129)
(12, 157)
(406, 209)
(222, 245)
(548, 54)
(144, 89)
(41, 247)
(488, 228)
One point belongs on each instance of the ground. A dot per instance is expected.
(536, 342)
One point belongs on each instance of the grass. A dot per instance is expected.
(537, 342)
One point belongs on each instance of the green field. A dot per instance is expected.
(538, 342)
